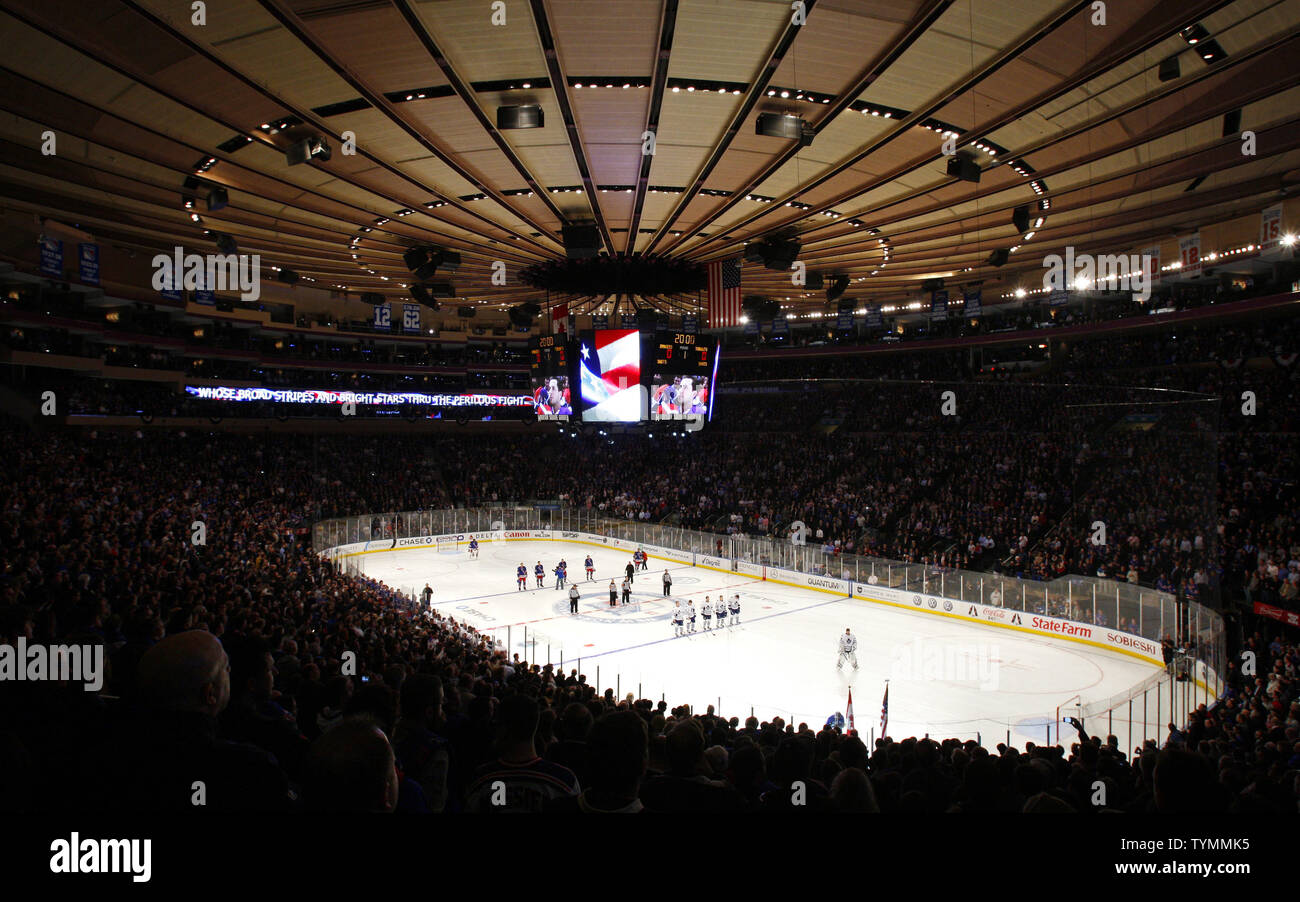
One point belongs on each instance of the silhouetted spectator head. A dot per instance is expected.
(186, 672)
(852, 792)
(376, 701)
(252, 670)
(1046, 803)
(421, 698)
(351, 769)
(619, 753)
(1184, 782)
(685, 749)
(518, 716)
(575, 722)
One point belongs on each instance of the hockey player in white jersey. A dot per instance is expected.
(848, 650)
(706, 609)
(690, 615)
(720, 611)
(735, 608)
(677, 619)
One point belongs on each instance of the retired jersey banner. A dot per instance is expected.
(383, 317)
(52, 256)
(939, 304)
(874, 318)
(973, 303)
(1189, 253)
(88, 256)
(780, 326)
(1270, 232)
(1151, 257)
(844, 322)
(690, 324)
(600, 321)
(410, 317)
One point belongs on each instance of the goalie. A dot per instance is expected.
(848, 650)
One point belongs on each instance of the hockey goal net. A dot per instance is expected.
(446, 544)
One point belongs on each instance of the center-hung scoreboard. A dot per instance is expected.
(624, 375)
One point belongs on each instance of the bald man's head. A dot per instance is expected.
(188, 671)
(351, 768)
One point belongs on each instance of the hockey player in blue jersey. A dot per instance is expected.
(591, 569)
(473, 547)
(540, 572)
(559, 575)
(521, 574)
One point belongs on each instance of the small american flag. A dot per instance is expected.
(724, 293)
(884, 712)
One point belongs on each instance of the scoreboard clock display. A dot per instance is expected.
(683, 353)
(547, 356)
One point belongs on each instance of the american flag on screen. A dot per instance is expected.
(724, 293)
(610, 368)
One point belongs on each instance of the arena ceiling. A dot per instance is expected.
(1064, 114)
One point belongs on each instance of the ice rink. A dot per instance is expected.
(947, 677)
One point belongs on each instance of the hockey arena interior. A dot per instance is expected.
(444, 407)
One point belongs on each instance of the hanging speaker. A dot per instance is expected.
(962, 165)
(526, 116)
(580, 241)
(1020, 218)
(1169, 69)
(839, 285)
(999, 257)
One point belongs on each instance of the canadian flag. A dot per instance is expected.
(559, 314)
(848, 712)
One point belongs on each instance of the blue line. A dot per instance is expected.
(581, 582)
(614, 651)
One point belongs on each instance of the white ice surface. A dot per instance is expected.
(947, 678)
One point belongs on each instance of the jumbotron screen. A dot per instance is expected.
(673, 396)
(549, 378)
(609, 373)
(685, 375)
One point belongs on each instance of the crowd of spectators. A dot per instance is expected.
(98, 549)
